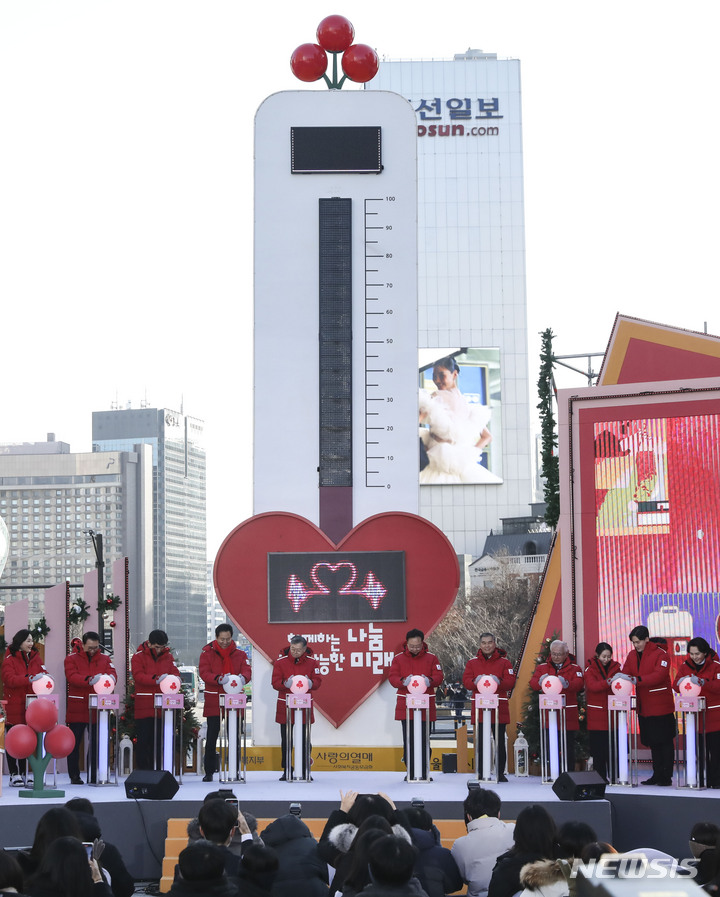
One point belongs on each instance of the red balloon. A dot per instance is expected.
(335, 34)
(41, 715)
(360, 63)
(309, 62)
(20, 742)
(59, 742)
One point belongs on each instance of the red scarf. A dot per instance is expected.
(225, 654)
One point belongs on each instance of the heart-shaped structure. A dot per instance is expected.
(354, 656)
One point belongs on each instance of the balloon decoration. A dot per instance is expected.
(300, 685)
(41, 715)
(416, 686)
(335, 34)
(59, 741)
(45, 685)
(552, 685)
(486, 686)
(106, 686)
(171, 685)
(20, 742)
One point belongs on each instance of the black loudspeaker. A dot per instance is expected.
(151, 784)
(579, 786)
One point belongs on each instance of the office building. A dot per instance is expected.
(179, 524)
(50, 498)
(471, 270)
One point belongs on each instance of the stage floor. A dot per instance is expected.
(627, 817)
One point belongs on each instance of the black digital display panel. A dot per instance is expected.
(316, 587)
(354, 150)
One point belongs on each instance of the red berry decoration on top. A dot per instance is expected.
(309, 62)
(335, 34)
(360, 63)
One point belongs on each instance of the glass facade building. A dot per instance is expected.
(471, 269)
(179, 516)
(50, 498)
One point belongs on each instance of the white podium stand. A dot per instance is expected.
(417, 712)
(691, 713)
(553, 737)
(484, 736)
(171, 708)
(233, 764)
(297, 737)
(622, 740)
(105, 706)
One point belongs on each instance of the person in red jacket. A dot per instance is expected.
(150, 664)
(84, 666)
(219, 661)
(562, 664)
(492, 661)
(295, 660)
(21, 665)
(598, 674)
(703, 668)
(648, 666)
(414, 660)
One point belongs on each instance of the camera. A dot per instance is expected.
(417, 802)
(296, 809)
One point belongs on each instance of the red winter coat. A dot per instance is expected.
(710, 672)
(146, 669)
(596, 693)
(652, 669)
(211, 669)
(285, 667)
(16, 672)
(573, 674)
(80, 667)
(406, 664)
(495, 665)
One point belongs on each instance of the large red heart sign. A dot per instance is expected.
(353, 654)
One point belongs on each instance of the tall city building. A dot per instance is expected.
(179, 517)
(50, 498)
(471, 276)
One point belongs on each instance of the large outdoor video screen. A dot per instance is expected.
(655, 482)
(460, 417)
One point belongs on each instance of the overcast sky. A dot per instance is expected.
(126, 194)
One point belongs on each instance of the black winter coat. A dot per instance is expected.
(297, 852)
(435, 868)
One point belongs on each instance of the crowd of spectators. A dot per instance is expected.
(368, 847)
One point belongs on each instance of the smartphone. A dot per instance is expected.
(296, 809)
(233, 801)
(88, 845)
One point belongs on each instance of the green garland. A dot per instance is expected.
(108, 604)
(79, 612)
(39, 630)
(550, 463)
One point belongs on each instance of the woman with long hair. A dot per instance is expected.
(55, 823)
(21, 664)
(66, 871)
(702, 667)
(453, 431)
(535, 839)
(598, 674)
